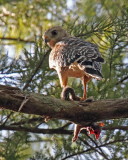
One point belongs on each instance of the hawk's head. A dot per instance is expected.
(54, 35)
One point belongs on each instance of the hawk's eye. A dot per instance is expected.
(54, 32)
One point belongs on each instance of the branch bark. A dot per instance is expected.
(78, 112)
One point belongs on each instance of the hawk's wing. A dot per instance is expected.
(72, 49)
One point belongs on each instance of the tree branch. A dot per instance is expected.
(82, 113)
(53, 131)
(36, 130)
(17, 39)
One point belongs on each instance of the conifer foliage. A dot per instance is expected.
(24, 64)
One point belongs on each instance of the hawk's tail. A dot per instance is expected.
(94, 73)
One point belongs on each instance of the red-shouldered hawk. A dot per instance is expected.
(73, 57)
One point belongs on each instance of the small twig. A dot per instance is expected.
(90, 149)
(103, 154)
(23, 103)
(36, 70)
(94, 148)
(27, 121)
(122, 80)
(65, 125)
(7, 118)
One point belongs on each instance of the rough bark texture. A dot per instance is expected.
(79, 112)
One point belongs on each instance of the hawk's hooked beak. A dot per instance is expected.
(46, 39)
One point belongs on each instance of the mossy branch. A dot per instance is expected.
(78, 112)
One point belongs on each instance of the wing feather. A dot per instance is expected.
(72, 49)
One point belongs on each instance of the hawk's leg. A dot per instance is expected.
(85, 80)
(63, 77)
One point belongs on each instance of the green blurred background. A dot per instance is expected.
(24, 64)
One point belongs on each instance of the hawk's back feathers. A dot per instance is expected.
(72, 49)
